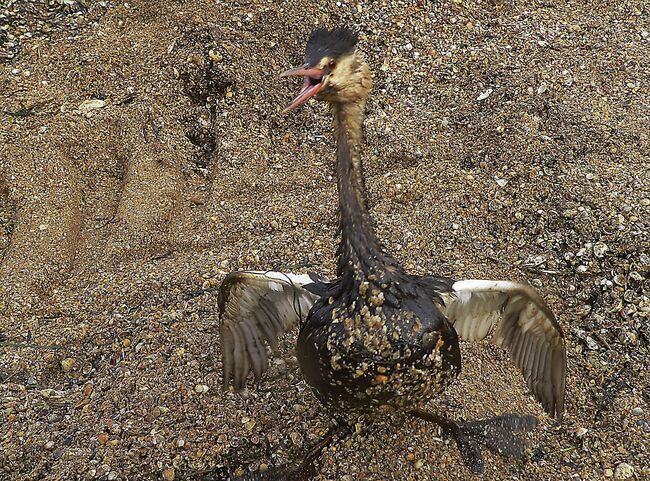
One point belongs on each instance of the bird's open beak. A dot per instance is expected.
(312, 85)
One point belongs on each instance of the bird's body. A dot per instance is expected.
(377, 336)
(361, 352)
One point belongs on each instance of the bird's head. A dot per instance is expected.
(333, 70)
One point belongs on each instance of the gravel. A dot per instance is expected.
(504, 140)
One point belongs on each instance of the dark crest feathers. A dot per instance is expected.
(330, 43)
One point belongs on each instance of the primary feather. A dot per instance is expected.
(522, 323)
(256, 308)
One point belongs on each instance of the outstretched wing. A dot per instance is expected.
(255, 307)
(524, 325)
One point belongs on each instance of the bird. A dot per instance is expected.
(374, 337)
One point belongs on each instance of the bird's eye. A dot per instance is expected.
(332, 64)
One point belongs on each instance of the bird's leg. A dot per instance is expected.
(305, 470)
(496, 433)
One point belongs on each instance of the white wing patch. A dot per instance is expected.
(256, 308)
(522, 323)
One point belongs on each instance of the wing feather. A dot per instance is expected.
(256, 352)
(227, 355)
(256, 308)
(535, 358)
(240, 358)
(522, 323)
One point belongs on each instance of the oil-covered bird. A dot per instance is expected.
(376, 337)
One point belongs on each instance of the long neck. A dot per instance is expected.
(359, 253)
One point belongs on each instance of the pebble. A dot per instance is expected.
(67, 364)
(580, 432)
(637, 411)
(600, 248)
(49, 445)
(296, 438)
(627, 337)
(624, 471)
(484, 95)
(634, 275)
(215, 56)
(169, 474)
(201, 388)
(87, 106)
(591, 343)
(54, 418)
(609, 472)
(419, 464)
(153, 414)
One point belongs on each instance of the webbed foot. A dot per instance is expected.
(497, 434)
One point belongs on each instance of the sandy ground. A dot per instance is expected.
(504, 140)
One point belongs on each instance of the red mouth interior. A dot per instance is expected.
(310, 87)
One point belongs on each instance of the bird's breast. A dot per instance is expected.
(366, 352)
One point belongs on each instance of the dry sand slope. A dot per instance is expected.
(504, 140)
